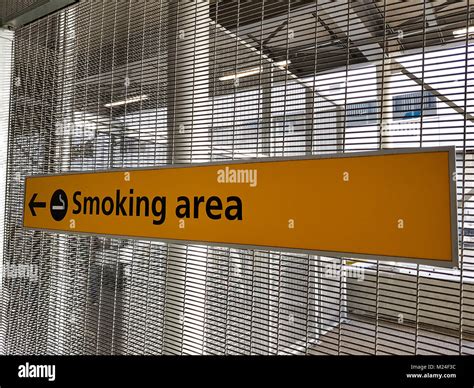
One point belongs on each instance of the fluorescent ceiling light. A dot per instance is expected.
(253, 71)
(282, 64)
(240, 74)
(127, 101)
(463, 31)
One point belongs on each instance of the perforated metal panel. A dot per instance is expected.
(119, 84)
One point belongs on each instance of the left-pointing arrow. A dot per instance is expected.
(32, 205)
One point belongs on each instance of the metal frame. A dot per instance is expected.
(453, 205)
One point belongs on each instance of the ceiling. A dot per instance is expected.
(340, 33)
(314, 36)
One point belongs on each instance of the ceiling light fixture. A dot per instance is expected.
(253, 71)
(240, 74)
(282, 64)
(127, 101)
(463, 31)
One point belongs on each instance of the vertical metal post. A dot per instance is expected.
(188, 141)
(309, 119)
(266, 109)
(385, 71)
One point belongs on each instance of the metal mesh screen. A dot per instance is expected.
(114, 84)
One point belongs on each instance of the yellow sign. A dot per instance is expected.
(395, 205)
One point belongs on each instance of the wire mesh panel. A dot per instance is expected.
(125, 84)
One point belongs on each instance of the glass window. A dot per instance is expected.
(361, 113)
(408, 105)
